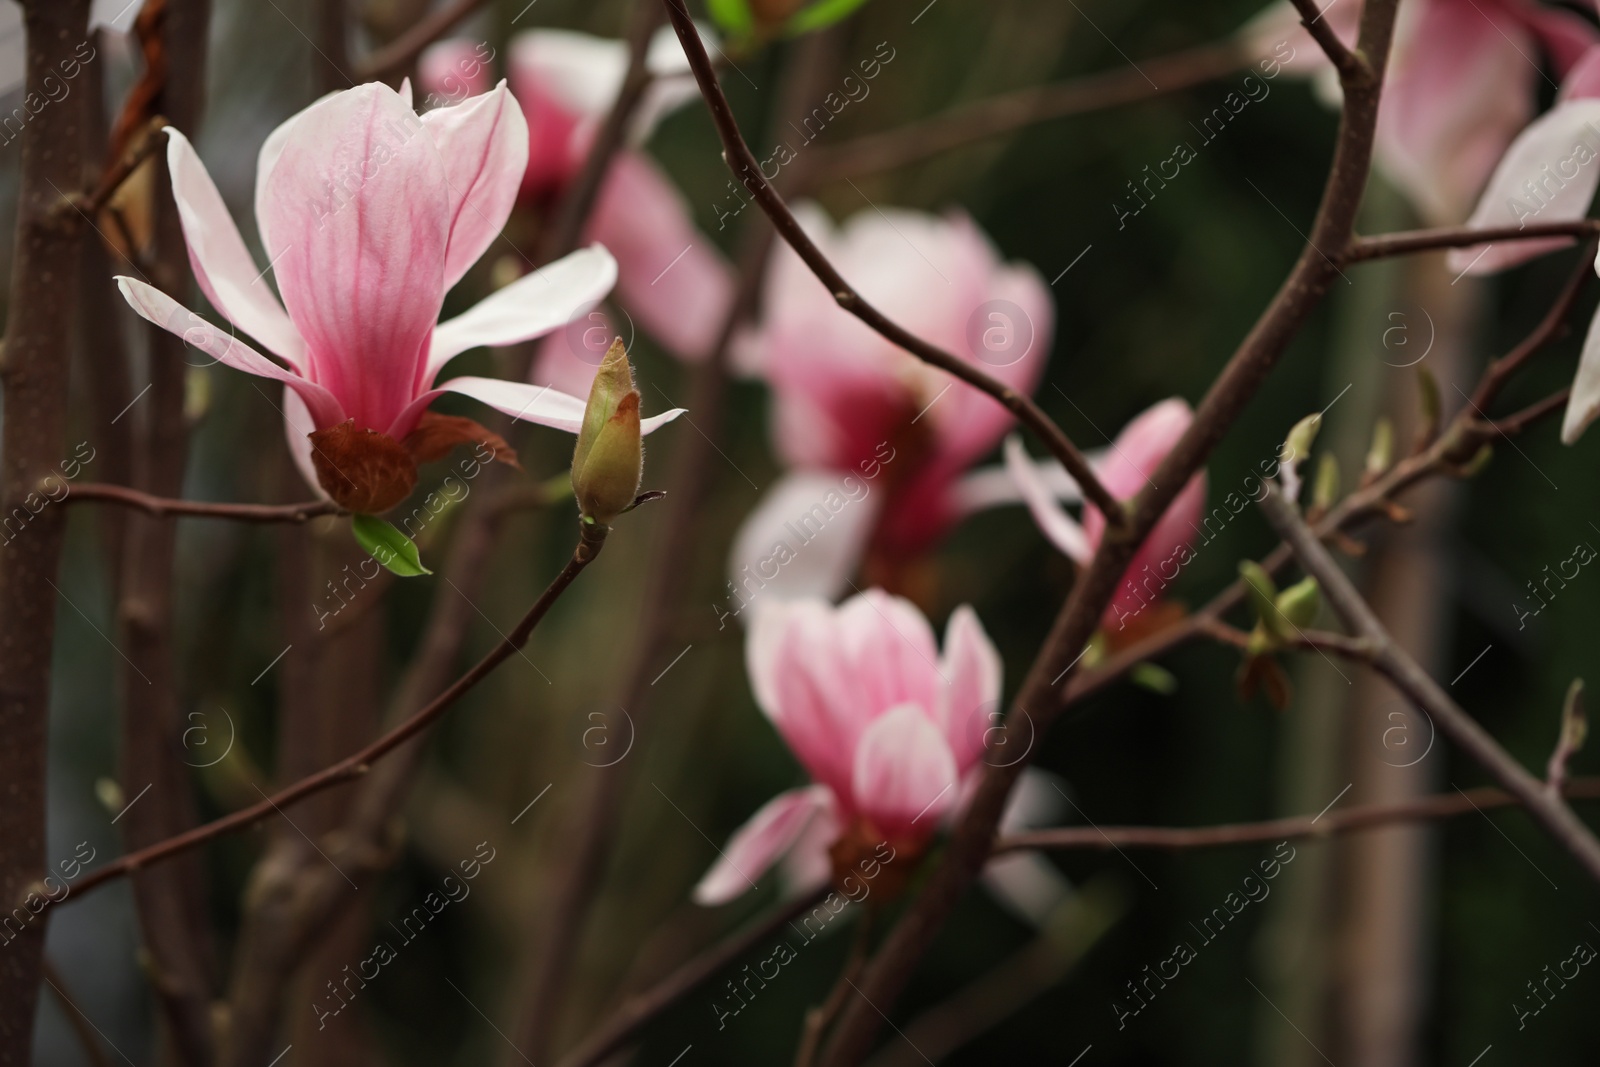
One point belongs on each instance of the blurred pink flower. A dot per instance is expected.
(368, 215)
(888, 727)
(1462, 81)
(670, 277)
(1125, 468)
(855, 415)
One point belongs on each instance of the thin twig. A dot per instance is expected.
(1409, 677)
(401, 52)
(1008, 112)
(1550, 328)
(819, 1018)
(1346, 62)
(168, 507)
(1516, 422)
(1408, 242)
(360, 763)
(82, 1028)
(737, 154)
(638, 1010)
(1327, 824)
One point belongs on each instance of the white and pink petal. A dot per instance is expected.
(483, 147)
(535, 304)
(904, 774)
(157, 307)
(760, 843)
(221, 263)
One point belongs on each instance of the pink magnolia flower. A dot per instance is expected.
(876, 440)
(1547, 174)
(889, 728)
(368, 215)
(1125, 468)
(1462, 80)
(670, 276)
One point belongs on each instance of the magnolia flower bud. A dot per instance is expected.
(609, 460)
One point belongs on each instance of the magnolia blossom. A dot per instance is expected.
(876, 440)
(1125, 468)
(1549, 174)
(889, 728)
(670, 276)
(368, 215)
(1462, 80)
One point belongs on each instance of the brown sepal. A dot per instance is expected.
(437, 434)
(865, 857)
(364, 471)
(1264, 673)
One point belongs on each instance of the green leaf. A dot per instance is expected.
(821, 14)
(386, 544)
(731, 16)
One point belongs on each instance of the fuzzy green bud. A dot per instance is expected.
(1381, 453)
(1297, 607)
(1297, 446)
(1259, 584)
(608, 462)
(1325, 491)
(1428, 403)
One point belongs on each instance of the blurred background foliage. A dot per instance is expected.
(1153, 309)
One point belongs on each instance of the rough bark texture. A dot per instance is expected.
(38, 338)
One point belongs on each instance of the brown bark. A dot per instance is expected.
(38, 339)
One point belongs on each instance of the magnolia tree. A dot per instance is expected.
(438, 316)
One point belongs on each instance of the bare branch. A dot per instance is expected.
(638, 1010)
(1408, 242)
(736, 153)
(1550, 328)
(1347, 63)
(1398, 666)
(1329, 824)
(169, 508)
